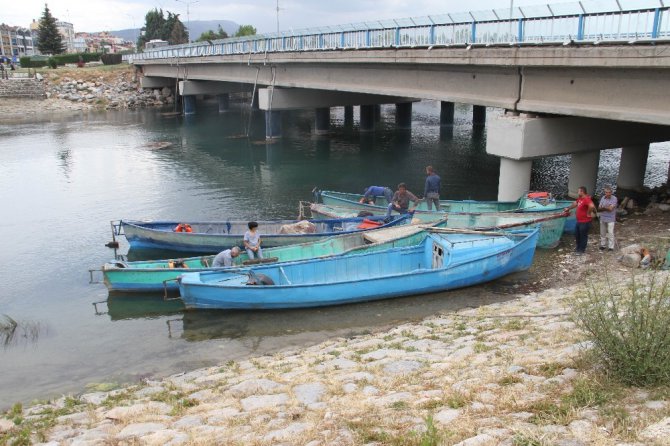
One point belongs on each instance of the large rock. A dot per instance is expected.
(263, 401)
(309, 393)
(658, 431)
(139, 430)
(252, 387)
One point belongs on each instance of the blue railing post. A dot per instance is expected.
(397, 36)
(367, 38)
(255, 46)
(283, 43)
(520, 33)
(320, 41)
(473, 35)
(580, 27)
(342, 42)
(431, 38)
(657, 23)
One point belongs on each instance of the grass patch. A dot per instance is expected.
(457, 400)
(508, 380)
(587, 392)
(33, 429)
(550, 369)
(629, 327)
(480, 347)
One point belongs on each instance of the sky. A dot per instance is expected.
(107, 15)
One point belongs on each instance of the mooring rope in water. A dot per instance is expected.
(251, 107)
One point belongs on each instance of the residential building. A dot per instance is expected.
(66, 30)
(15, 42)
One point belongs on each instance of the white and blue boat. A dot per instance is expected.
(214, 236)
(442, 261)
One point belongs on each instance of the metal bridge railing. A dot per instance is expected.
(584, 21)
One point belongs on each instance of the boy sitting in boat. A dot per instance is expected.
(252, 241)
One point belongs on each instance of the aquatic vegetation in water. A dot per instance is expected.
(13, 332)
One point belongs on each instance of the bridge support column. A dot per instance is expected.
(272, 124)
(348, 115)
(478, 115)
(189, 104)
(633, 167)
(367, 119)
(322, 121)
(403, 115)
(224, 102)
(514, 178)
(583, 172)
(378, 112)
(446, 113)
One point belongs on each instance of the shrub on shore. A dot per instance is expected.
(629, 327)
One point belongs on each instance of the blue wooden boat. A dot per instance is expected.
(551, 224)
(159, 275)
(214, 236)
(442, 261)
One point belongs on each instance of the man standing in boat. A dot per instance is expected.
(586, 210)
(373, 192)
(401, 199)
(431, 191)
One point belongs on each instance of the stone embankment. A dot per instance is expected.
(66, 89)
(504, 374)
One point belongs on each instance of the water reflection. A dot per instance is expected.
(137, 306)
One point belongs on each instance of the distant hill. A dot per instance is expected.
(197, 27)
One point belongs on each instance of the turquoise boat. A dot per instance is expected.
(214, 236)
(441, 262)
(551, 224)
(534, 202)
(158, 275)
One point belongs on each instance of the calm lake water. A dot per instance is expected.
(64, 178)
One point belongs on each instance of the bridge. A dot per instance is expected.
(573, 78)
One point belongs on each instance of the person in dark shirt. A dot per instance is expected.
(401, 199)
(431, 192)
(372, 192)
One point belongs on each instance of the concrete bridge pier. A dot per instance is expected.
(514, 178)
(224, 102)
(272, 124)
(583, 172)
(403, 115)
(189, 104)
(446, 113)
(348, 115)
(322, 120)
(527, 137)
(633, 167)
(367, 118)
(478, 115)
(378, 112)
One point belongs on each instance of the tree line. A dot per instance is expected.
(156, 26)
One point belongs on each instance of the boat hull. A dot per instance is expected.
(551, 225)
(158, 275)
(359, 278)
(211, 237)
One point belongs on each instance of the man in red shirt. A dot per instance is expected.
(586, 210)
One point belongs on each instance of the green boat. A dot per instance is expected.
(551, 224)
(533, 202)
(159, 275)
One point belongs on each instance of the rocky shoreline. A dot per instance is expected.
(93, 88)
